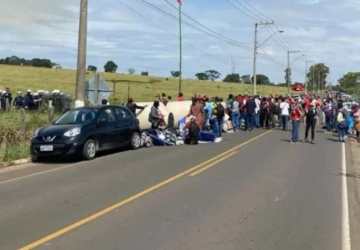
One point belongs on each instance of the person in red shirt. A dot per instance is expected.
(295, 116)
(180, 97)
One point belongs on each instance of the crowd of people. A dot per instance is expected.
(243, 112)
(34, 100)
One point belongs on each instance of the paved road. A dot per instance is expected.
(262, 193)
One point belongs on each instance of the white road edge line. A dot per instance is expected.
(40, 173)
(346, 238)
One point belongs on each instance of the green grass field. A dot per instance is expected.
(141, 88)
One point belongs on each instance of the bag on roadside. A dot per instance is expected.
(192, 138)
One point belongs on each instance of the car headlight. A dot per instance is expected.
(73, 132)
(36, 133)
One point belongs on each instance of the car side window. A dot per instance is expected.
(122, 114)
(107, 115)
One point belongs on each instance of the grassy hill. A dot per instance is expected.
(19, 78)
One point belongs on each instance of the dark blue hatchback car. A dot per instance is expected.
(86, 131)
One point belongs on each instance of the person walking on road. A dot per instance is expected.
(295, 116)
(311, 117)
(285, 112)
(341, 124)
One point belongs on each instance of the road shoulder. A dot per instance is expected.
(353, 175)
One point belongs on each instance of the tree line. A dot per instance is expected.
(35, 62)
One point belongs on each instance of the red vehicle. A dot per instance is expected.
(298, 87)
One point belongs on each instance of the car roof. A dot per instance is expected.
(99, 107)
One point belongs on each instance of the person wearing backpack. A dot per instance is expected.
(220, 115)
(250, 110)
(311, 115)
(341, 121)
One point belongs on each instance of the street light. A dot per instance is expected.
(307, 62)
(288, 78)
(269, 37)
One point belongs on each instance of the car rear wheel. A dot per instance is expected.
(89, 150)
(135, 142)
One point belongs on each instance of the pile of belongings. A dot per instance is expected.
(146, 140)
(163, 137)
(191, 133)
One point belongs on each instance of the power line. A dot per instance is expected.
(230, 40)
(212, 56)
(245, 11)
(196, 27)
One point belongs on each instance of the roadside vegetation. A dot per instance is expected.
(16, 129)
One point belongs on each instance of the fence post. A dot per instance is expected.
(51, 111)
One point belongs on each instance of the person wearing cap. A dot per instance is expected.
(311, 117)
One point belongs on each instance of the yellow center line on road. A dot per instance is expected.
(213, 164)
(228, 155)
(103, 212)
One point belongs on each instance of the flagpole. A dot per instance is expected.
(180, 45)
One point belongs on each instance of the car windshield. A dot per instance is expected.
(76, 117)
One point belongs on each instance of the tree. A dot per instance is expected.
(131, 71)
(202, 76)
(246, 79)
(110, 66)
(317, 76)
(35, 62)
(350, 80)
(232, 78)
(213, 74)
(92, 68)
(261, 80)
(175, 73)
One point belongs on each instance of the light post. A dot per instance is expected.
(288, 70)
(81, 57)
(306, 82)
(180, 47)
(256, 47)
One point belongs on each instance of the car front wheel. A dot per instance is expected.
(89, 150)
(135, 142)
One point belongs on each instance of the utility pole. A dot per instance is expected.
(254, 61)
(180, 46)
(307, 70)
(256, 46)
(81, 58)
(288, 70)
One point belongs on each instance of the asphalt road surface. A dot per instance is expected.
(253, 191)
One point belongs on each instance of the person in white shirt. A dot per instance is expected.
(257, 111)
(285, 112)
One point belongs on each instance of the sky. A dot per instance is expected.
(135, 34)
